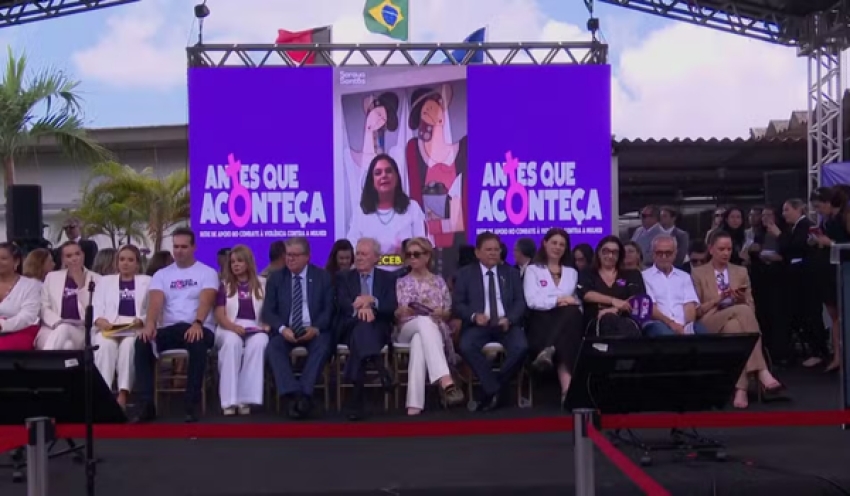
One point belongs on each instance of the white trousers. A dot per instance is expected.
(115, 355)
(64, 337)
(240, 367)
(427, 357)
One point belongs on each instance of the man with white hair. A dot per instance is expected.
(674, 299)
(367, 301)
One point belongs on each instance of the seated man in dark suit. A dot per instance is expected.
(298, 308)
(697, 255)
(489, 300)
(367, 302)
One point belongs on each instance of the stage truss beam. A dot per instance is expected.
(409, 54)
(825, 110)
(17, 12)
(729, 16)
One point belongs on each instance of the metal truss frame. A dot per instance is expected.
(825, 110)
(17, 12)
(724, 15)
(407, 54)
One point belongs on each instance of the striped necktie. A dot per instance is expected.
(297, 319)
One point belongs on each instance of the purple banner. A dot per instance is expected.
(539, 151)
(261, 158)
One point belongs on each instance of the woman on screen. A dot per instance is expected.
(381, 116)
(436, 165)
(386, 213)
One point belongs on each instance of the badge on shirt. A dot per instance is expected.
(543, 284)
(641, 308)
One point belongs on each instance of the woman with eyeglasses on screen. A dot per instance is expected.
(20, 302)
(119, 306)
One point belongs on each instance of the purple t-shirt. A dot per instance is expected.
(246, 302)
(127, 298)
(70, 306)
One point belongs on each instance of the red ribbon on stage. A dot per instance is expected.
(640, 478)
(481, 427)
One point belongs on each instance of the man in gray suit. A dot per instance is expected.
(489, 301)
(668, 218)
(648, 230)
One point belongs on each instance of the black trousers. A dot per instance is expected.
(560, 327)
(172, 338)
(805, 307)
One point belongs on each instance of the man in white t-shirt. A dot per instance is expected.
(675, 302)
(180, 300)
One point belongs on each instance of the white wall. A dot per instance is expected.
(61, 180)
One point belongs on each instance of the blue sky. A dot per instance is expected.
(670, 79)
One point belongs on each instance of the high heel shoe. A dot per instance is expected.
(451, 396)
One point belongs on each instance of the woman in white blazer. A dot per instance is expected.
(240, 337)
(64, 298)
(554, 325)
(120, 299)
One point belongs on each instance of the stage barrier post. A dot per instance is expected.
(585, 481)
(40, 434)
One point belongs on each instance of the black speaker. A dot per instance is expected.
(24, 216)
(782, 186)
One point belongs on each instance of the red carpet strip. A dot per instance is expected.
(480, 427)
(640, 478)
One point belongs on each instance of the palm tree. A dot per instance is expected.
(38, 106)
(107, 214)
(158, 203)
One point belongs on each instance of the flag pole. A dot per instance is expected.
(410, 21)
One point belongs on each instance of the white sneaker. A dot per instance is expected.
(244, 410)
(230, 411)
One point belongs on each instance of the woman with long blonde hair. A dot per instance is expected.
(240, 337)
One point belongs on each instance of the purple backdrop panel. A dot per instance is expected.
(261, 158)
(539, 151)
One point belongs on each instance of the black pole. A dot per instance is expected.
(89, 372)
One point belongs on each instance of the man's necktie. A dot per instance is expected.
(491, 298)
(297, 320)
(364, 285)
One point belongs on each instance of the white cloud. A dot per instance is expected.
(677, 81)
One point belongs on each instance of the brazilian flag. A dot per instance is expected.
(387, 17)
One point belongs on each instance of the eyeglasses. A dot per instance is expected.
(610, 253)
(290, 254)
(414, 254)
(664, 253)
(696, 262)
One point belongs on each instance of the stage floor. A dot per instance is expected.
(786, 461)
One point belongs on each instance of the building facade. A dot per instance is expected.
(162, 148)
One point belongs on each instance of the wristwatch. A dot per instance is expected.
(199, 322)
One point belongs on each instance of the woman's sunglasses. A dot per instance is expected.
(414, 254)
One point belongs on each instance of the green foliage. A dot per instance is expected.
(124, 204)
(41, 105)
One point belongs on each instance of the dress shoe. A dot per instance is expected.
(387, 382)
(489, 403)
(191, 415)
(292, 410)
(304, 405)
(147, 413)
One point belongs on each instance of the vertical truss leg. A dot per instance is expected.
(825, 112)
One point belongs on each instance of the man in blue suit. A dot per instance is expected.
(489, 300)
(367, 301)
(298, 308)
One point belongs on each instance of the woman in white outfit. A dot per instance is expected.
(120, 299)
(240, 337)
(424, 308)
(64, 298)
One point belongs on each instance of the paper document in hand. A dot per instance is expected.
(421, 309)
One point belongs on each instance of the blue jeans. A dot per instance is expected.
(655, 328)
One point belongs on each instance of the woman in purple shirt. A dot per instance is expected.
(119, 303)
(240, 337)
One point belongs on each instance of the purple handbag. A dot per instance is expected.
(641, 308)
